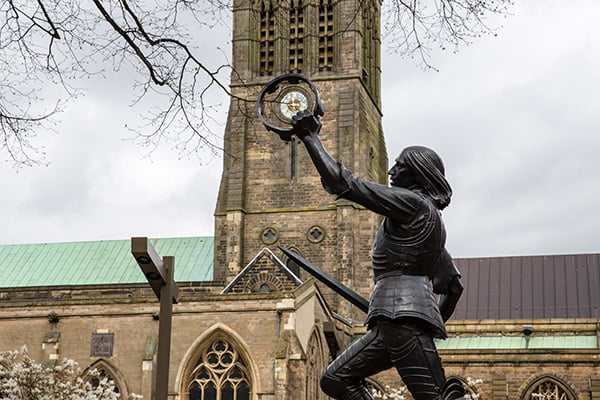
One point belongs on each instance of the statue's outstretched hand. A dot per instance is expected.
(305, 124)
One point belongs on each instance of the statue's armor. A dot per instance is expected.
(412, 254)
(403, 266)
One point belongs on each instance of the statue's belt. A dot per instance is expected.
(391, 274)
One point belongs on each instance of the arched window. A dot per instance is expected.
(470, 386)
(548, 388)
(370, 46)
(325, 35)
(314, 367)
(101, 370)
(296, 45)
(291, 264)
(219, 374)
(267, 38)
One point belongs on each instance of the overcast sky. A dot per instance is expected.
(516, 119)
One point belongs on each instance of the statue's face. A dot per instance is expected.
(400, 174)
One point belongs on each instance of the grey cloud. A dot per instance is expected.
(515, 118)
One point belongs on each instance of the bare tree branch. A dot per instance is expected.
(414, 27)
(61, 41)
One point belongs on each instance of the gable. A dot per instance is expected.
(265, 273)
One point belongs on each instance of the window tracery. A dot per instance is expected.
(548, 388)
(101, 370)
(296, 36)
(267, 38)
(325, 35)
(220, 374)
(370, 46)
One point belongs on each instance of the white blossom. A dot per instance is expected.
(21, 378)
(390, 393)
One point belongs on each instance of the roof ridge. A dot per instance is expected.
(101, 240)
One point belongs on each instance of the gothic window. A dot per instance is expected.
(325, 35)
(267, 38)
(296, 36)
(220, 374)
(314, 366)
(470, 386)
(548, 388)
(102, 374)
(370, 45)
(101, 370)
(291, 264)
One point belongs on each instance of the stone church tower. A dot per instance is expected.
(270, 193)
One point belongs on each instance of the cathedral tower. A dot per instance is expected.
(270, 193)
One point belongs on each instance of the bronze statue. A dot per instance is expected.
(410, 264)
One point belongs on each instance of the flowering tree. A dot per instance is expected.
(389, 393)
(401, 392)
(21, 378)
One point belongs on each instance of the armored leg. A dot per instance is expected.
(403, 344)
(414, 355)
(343, 379)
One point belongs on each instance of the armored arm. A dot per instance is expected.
(397, 203)
(446, 282)
(448, 301)
(306, 128)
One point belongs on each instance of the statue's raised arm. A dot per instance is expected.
(307, 128)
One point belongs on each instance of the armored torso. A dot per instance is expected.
(403, 259)
(409, 248)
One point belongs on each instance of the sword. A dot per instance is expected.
(330, 282)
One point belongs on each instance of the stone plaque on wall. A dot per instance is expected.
(102, 344)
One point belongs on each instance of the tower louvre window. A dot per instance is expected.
(267, 39)
(296, 36)
(367, 45)
(325, 35)
(369, 35)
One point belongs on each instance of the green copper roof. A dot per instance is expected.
(99, 263)
(518, 342)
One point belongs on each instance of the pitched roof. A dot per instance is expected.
(99, 262)
(271, 271)
(559, 286)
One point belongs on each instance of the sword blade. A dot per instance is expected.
(332, 283)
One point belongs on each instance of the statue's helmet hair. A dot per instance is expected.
(428, 170)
